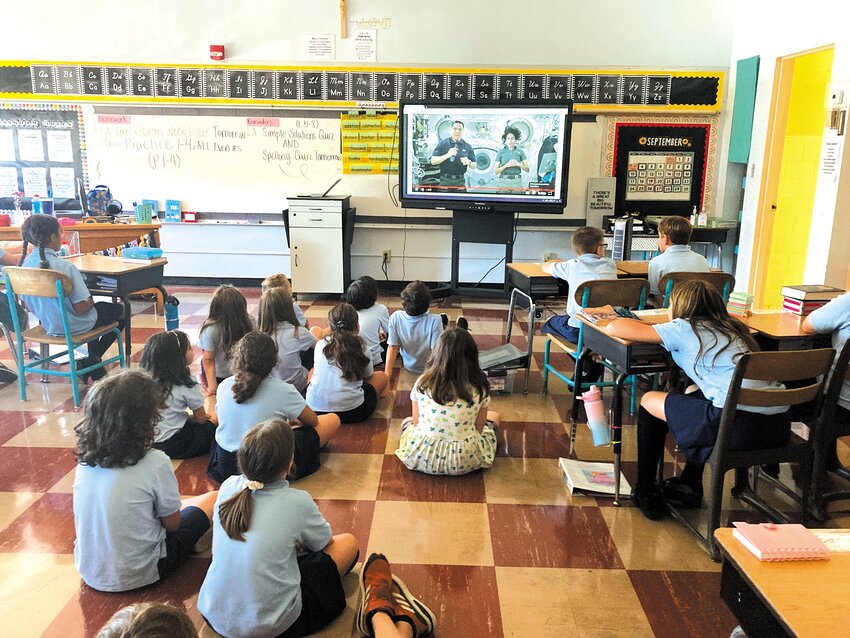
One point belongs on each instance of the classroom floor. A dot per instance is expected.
(504, 552)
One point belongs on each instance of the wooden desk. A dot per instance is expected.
(810, 598)
(780, 331)
(632, 268)
(129, 278)
(94, 237)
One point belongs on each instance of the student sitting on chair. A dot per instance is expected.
(674, 233)
(591, 264)
(44, 232)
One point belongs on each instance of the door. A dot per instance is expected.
(316, 260)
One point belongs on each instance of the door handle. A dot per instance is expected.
(773, 207)
(296, 257)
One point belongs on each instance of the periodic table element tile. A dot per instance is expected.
(68, 80)
(238, 84)
(411, 86)
(214, 83)
(634, 89)
(484, 86)
(609, 89)
(386, 89)
(42, 79)
(584, 88)
(165, 82)
(435, 86)
(190, 83)
(459, 85)
(362, 86)
(508, 87)
(337, 85)
(91, 78)
(263, 85)
(533, 87)
(141, 82)
(116, 80)
(559, 87)
(658, 89)
(287, 85)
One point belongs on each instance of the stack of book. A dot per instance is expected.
(740, 304)
(803, 300)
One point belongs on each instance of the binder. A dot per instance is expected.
(772, 542)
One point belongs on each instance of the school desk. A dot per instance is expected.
(97, 236)
(129, 278)
(792, 598)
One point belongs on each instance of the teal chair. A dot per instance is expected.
(38, 282)
(631, 293)
(722, 281)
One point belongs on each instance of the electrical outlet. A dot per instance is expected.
(548, 256)
(387, 256)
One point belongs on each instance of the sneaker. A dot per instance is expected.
(376, 581)
(412, 610)
(204, 543)
(445, 319)
(85, 362)
(681, 495)
(651, 505)
(98, 373)
(462, 323)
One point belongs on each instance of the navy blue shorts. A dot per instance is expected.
(322, 595)
(180, 545)
(362, 411)
(223, 464)
(193, 439)
(560, 327)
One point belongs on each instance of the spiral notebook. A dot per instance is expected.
(772, 542)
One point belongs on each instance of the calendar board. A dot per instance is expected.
(660, 176)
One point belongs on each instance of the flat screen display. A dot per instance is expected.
(494, 157)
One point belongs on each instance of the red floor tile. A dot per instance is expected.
(13, 423)
(349, 517)
(400, 484)
(47, 526)
(192, 477)
(369, 437)
(531, 439)
(33, 469)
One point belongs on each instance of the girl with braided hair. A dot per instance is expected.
(44, 233)
(343, 379)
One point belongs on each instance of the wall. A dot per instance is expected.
(641, 34)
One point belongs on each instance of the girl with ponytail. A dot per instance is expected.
(44, 233)
(253, 395)
(277, 568)
(343, 379)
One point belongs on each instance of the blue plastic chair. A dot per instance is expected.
(38, 282)
(616, 292)
(722, 281)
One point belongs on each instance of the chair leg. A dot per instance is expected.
(13, 350)
(546, 349)
(715, 501)
(72, 371)
(44, 351)
(122, 357)
(22, 368)
(816, 505)
(633, 398)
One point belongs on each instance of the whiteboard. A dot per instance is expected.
(212, 161)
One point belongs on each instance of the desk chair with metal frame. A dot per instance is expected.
(38, 282)
(722, 281)
(796, 365)
(631, 293)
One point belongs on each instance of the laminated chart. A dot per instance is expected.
(369, 143)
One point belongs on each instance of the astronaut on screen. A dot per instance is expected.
(453, 155)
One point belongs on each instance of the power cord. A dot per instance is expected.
(516, 219)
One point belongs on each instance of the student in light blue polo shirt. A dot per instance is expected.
(414, 331)
(132, 528)
(674, 233)
(591, 264)
(45, 235)
(834, 317)
(253, 395)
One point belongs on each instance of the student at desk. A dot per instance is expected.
(706, 343)
(674, 233)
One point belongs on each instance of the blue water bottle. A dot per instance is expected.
(172, 319)
(36, 205)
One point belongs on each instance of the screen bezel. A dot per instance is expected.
(435, 201)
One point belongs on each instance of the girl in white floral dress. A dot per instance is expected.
(451, 431)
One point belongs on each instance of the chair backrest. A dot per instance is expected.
(36, 282)
(838, 376)
(616, 292)
(723, 282)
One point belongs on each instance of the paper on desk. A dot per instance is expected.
(651, 312)
(836, 540)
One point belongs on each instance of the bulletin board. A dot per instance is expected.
(41, 153)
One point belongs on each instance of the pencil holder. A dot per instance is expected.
(144, 213)
(172, 318)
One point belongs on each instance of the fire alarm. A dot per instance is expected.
(217, 51)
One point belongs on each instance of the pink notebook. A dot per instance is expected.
(788, 541)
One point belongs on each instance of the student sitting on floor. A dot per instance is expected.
(294, 342)
(148, 620)
(344, 380)
(253, 395)
(45, 233)
(373, 317)
(132, 528)
(277, 568)
(706, 343)
(674, 233)
(591, 264)
(227, 323)
(451, 430)
(414, 331)
(181, 435)
(279, 280)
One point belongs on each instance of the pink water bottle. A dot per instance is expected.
(596, 420)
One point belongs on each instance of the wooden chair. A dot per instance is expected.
(631, 293)
(38, 282)
(789, 366)
(722, 281)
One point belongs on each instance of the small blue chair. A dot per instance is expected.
(722, 281)
(39, 282)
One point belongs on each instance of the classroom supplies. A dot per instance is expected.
(172, 210)
(605, 314)
(740, 304)
(780, 542)
(97, 200)
(143, 213)
(143, 254)
(815, 292)
(592, 479)
(801, 308)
